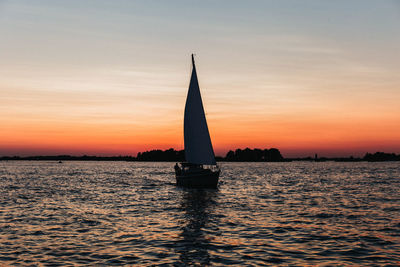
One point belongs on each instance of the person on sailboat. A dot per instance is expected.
(177, 169)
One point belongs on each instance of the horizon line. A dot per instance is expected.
(219, 156)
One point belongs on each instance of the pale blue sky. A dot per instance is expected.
(127, 62)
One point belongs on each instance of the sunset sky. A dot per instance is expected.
(111, 77)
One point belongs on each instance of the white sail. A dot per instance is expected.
(198, 147)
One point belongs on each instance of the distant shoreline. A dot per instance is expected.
(246, 155)
(116, 159)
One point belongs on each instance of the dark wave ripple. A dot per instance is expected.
(117, 213)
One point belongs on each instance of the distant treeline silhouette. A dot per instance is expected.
(377, 156)
(243, 155)
(247, 154)
(160, 155)
(256, 154)
(381, 156)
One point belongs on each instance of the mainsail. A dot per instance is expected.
(198, 147)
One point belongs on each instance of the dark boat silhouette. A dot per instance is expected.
(200, 168)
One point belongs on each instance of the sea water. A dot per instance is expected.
(131, 213)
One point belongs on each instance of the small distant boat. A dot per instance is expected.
(200, 168)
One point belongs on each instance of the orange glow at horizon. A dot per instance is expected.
(293, 138)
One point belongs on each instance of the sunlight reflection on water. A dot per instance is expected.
(115, 213)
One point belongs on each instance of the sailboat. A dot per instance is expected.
(200, 168)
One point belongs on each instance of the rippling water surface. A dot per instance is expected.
(117, 213)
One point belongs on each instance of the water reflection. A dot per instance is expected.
(193, 245)
(114, 213)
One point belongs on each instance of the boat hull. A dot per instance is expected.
(206, 179)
